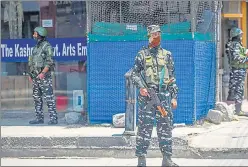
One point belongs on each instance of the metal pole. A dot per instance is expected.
(218, 53)
(120, 11)
(88, 16)
(193, 6)
(88, 30)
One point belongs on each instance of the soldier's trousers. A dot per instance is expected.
(146, 123)
(236, 85)
(43, 88)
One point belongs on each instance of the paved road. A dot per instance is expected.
(118, 162)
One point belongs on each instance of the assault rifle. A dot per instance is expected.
(154, 99)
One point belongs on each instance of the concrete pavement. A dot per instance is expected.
(118, 162)
(227, 140)
(235, 135)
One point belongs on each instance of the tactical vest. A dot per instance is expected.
(37, 60)
(156, 70)
(237, 64)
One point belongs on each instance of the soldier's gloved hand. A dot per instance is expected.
(41, 76)
(174, 103)
(143, 92)
(30, 79)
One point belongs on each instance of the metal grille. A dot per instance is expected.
(199, 14)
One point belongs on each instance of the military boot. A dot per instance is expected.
(242, 113)
(53, 120)
(238, 110)
(141, 161)
(37, 120)
(167, 161)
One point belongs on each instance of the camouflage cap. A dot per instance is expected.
(235, 32)
(153, 28)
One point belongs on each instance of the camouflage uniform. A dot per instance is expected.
(42, 57)
(157, 67)
(238, 63)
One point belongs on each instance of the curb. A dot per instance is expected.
(115, 147)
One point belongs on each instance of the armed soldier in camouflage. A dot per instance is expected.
(40, 66)
(238, 61)
(155, 66)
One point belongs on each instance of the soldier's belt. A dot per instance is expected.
(156, 88)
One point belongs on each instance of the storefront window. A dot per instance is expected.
(65, 22)
(70, 19)
(71, 76)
